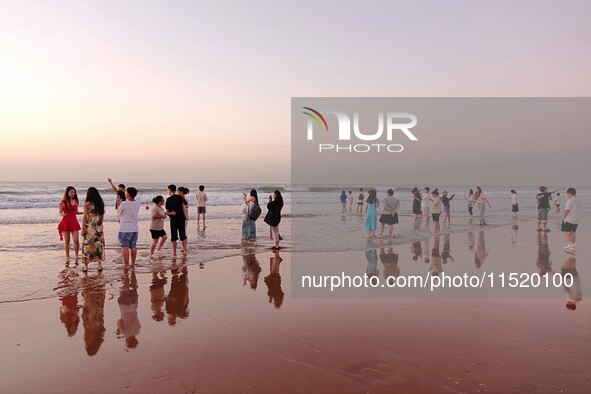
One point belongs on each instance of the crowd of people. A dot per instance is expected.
(430, 205)
(175, 207)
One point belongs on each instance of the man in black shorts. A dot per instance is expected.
(175, 208)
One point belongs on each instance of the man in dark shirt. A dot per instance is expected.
(120, 190)
(543, 198)
(175, 209)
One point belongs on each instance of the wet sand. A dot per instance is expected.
(216, 334)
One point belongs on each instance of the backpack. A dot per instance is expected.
(255, 212)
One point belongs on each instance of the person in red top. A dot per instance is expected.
(69, 227)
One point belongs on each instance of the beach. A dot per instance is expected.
(203, 328)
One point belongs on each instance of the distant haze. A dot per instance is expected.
(201, 91)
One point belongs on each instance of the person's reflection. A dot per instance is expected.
(543, 262)
(416, 250)
(250, 268)
(481, 252)
(128, 326)
(574, 293)
(446, 254)
(273, 281)
(435, 268)
(389, 260)
(68, 287)
(426, 248)
(371, 255)
(177, 301)
(93, 314)
(157, 295)
(515, 235)
(471, 240)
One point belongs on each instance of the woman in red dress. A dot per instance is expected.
(69, 226)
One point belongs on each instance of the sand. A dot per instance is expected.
(219, 335)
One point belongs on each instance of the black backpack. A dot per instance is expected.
(255, 212)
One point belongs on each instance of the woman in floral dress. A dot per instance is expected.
(93, 239)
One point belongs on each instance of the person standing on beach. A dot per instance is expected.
(426, 202)
(175, 209)
(157, 216)
(416, 205)
(127, 216)
(446, 207)
(557, 202)
(201, 202)
(571, 218)
(389, 214)
(350, 199)
(371, 213)
(184, 192)
(93, 238)
(543, 198)
(436, 210)
(514, 203)
(249, 229)
(273, 217)
(343, 198)
(119, 191)
(481, 200)
(470, 202)
(69, 228)
(360, 198)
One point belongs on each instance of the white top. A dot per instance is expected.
(470, 199)
(557, 200)
(436, 206)
(514, 198)
(127, 215)
(574, 208)
(426, 201)
(201, 199)
(157, 224)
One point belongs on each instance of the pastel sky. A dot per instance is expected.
(200, 91)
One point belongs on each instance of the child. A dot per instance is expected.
(435, 210)
(157, 224)
(514, 204)
(446, 208)
(127, 216)
(557, 202)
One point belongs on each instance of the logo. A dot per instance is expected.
(395, 124)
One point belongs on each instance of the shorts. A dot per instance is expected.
(446, 209)
(425, 211)
(435, 217)
(157, 233)
(360, 203)
(178, 230)
(389, 219)
(543, 214)
(200, 210)
(515, 208)
(568, 227)
(127, 239)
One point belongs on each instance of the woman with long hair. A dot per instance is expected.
(69, 227)
(93, 238)
(249, 229)
(416, 205)
(273, 217)
(371, 213)
(470, 202)
(481, 200)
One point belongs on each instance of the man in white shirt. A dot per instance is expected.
(571, 218)
(127, 216)
(201, 202)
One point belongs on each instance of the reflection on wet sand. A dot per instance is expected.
(371, 255)
(273, 281)
(482, 252)
(446, 254)
(93, 315)
(250, 268)
(574, 293)
(435, 267)
(416, 250)
(543, 262)
(389, 259)
(177, 301)
(128, 326)
(157, 297)
(68, 287)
